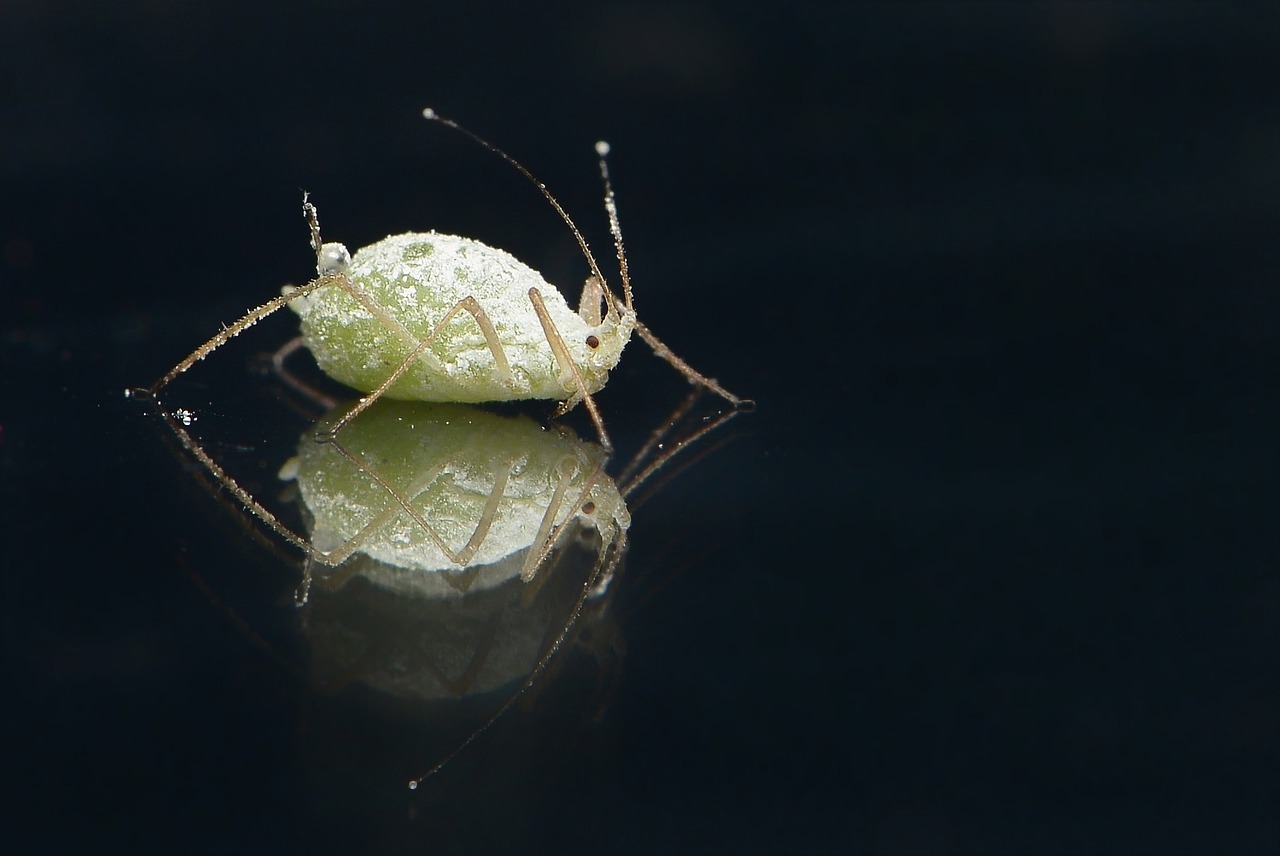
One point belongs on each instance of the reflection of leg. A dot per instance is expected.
(466, 304)
(551, 531)
(568, 368)
(246, 498)
(333, 578)
(544, 540)
(656, 438)
(462, 684)
(404, 502)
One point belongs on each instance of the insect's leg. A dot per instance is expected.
(491, 339)
(226, 334)
(501, 364)
(297, 384)
(284, 352)
(466, 304)
(561, 351)
(691, 374)
(590, 305)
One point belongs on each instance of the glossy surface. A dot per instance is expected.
(992, 568)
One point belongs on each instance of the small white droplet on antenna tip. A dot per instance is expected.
(602, 148)
(428, 113)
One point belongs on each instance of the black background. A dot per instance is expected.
(991, 569)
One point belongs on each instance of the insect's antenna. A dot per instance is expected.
(611, 206)
(433, 116)
(313, 222)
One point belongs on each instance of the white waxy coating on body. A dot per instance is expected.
(416, 278)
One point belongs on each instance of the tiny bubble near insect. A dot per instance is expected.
(431, 317)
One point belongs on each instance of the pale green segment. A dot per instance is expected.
(446, 459)
(417, 278)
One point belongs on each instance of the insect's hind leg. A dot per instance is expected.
(466, 304)
(280, 368)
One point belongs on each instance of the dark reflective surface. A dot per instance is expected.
(991, 569)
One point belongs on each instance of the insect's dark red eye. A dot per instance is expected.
(593, 342)
(588, 507)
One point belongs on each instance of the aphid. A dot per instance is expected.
(431, 317)
(440, 318)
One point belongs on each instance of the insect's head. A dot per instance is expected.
(604, 343)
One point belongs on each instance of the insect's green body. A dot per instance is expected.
(412, 281)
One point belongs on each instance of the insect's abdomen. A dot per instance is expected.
(408, 284)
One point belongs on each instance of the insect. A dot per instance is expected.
(446, 319)
(433, 317)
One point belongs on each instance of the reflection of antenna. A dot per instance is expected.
(629, 480)
(610, 554)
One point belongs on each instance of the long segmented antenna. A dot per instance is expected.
(615, 229)
(433, 116)
(313, 223)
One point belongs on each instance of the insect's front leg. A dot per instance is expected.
(567, 365)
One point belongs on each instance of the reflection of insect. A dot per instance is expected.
(473, 522)
(427, 488)
(431, 317)
(460, 536)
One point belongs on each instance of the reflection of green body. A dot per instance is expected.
(416, 279)
(461, 470)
